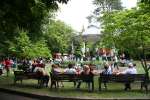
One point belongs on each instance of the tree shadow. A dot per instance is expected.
(84, 90)
(25, 85)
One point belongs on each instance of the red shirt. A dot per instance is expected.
(7, 63)
(41, 65)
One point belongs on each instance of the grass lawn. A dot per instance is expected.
(115, 90)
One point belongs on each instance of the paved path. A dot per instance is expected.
(9, 96)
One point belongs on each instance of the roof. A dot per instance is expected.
(91, 30)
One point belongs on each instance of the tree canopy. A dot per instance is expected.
(23, 47)
(145, 1)
(58, 36)
(32, 16)
(26, 14)
(128, 31)
(107, 5)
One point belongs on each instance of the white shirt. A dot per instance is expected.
(70, 71)
(131, 70)
(110, 69)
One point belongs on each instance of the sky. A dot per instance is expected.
(76, 11)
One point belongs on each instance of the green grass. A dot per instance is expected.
(139, 67)
(115, 90)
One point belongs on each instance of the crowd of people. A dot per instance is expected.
(87, 70)
(90, 70)
(74, 69)
(27, 65)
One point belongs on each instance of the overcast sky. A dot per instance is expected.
(76, 11)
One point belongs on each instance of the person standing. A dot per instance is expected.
(7, 64)
(115, 64)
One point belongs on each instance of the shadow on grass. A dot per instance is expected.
(30, 86)
(82, 93)
(66, 90)
(122, 91)
(71, 89)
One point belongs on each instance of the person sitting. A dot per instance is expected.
(38, 68)
(41, 65)
(130, 70)
(38, 65)
(107, 69)
(44, 76)
(70, 69)
(56, 70)
(78, 69)
(87, 77)
(34, 64)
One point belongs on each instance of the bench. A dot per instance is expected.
(55, 78)
(21, 75)
(128, 78)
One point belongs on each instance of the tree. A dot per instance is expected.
(78, 45)
(22, 47)
(58, 36)
(24, 14)
(129, 30)
(107, 5)
(104, 12)
(40, 49)
(145, 1)
(78, 53)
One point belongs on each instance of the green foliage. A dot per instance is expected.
(128, 30)
(29, 15)
(78, 52)
(78, 45)
(39, 49)
(22, 47)
(145, 1)
(26, 14)
(58, 36)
